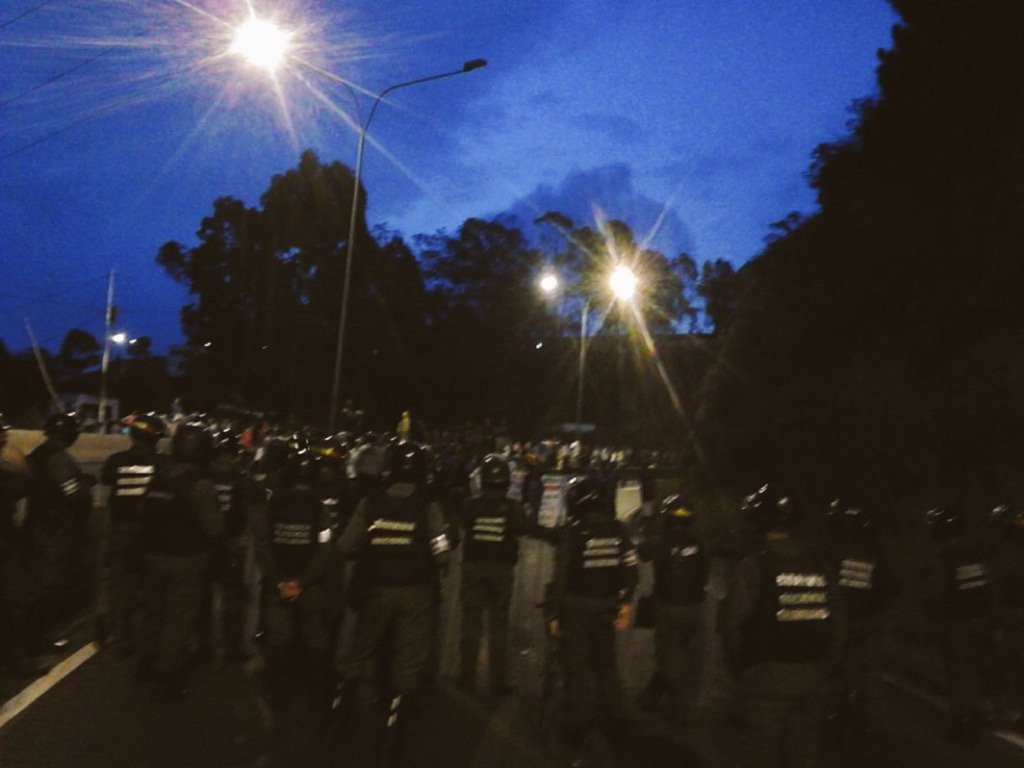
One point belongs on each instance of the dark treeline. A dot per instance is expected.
(876, 346)
(451, 325)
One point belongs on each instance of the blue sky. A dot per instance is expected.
(705, 111)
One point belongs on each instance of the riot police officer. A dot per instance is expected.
(964, 602)
(492, 524)
(15, 592)
(338, 507)
(56, 523)
(293, 549)
(680, 575)
(780, 627)
(233, 598)
(182, 524)
(399, 539)
(865, 584)
(127, 475)
(590, 598)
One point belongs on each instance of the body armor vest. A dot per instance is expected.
(398, 553)
(132, 473)
(296, 526)
(489, 538)
(969, 584)
(793, 619)
(858, 579)
(601, 553)
(228, 483)
(681, 568)
(170, 525)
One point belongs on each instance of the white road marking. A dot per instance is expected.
(22, 701)
(1012, 738)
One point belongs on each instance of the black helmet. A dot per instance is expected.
(302, 467)
(771, 507)
(193, 443)
(407, 463)
(944, 523)
(584, 497)
(494, 473)
(677, 510)
(62, 427)
(274, 456)
(850, 518)
(1001, 514)
(147, 427)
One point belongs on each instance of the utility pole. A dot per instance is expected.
(101, 414)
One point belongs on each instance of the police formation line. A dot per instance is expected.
(209, 558)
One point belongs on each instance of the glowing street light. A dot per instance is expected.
(623, 282)
(549, 283)
(119, 338)
(262, 43)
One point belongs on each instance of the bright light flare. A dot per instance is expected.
(549, 283)
(623, 282)
(262, 43)
(119, 338)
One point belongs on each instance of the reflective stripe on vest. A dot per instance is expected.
(802, 597)
(856, 574)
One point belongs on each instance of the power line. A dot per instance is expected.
(99, 112)
(85, 62)
(23, 14)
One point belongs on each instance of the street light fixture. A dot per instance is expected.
(623, 283)
(364, 127)
(265, 45)
(262, 43)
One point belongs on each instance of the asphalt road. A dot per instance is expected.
(97, 716)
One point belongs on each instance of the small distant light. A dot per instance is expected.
(119, 338)
(538, 345)
(133, 341)
(549, 283)
(265, 347)
(208, 344)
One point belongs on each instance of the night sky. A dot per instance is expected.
(698, 114)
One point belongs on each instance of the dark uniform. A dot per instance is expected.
(399, 538)
(233, 597)
(680, 575)
(337, 508)
(492, 525)
(293, 548)
(56, 528)
(182, 524)
(127, 474)
(865, 585)
(780, 630)
(591, 593)
(965, 604)
(15, 593)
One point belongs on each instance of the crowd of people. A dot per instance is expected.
(242, 542)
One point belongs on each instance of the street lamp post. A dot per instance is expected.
(266, 46)
(339, 356)
(623, 284)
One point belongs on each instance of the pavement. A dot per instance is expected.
(90, 712)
